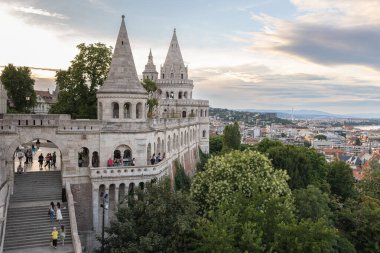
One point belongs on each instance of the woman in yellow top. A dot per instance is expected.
(54, 237)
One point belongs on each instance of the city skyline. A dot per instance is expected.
(316, 55)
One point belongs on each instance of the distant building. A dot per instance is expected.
(44, 101)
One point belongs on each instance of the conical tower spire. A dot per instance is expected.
(122, 76)
(150, 71)
(174, 67)
(174, 56)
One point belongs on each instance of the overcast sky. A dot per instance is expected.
(261, 54)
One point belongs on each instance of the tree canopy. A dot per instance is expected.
(79, 83)
(248, 172)
(151, 87)
(231, 137)
(20, 88)
(158, 220)
(341, 180)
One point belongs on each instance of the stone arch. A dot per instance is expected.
(201, 112)
(131, 189)
(115, 110)
(180, 95)
(169, 148)
(84, 157)
(184, 114)
(172, 95)
(95, 159)
(111, 197)
(139, 112)
(158, 145)
(204, 133)
(185, 95)
(162, 146)
(127, 110)
(122, 155)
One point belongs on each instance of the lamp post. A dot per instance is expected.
(105, 207)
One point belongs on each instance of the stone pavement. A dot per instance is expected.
(44, 149)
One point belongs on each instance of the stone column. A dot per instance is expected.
(116, 197)
(95, 209)
(106, 212)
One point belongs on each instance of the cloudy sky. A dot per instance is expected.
(261, 54)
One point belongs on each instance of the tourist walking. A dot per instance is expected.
(153, 159)
(41, 160)
(59, 213)
(47, 160)
(53, 160)
(54, 237)
(51, 213)
(62, 235)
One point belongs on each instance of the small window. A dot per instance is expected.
(163, 76)
(122, 42)
(181, 76)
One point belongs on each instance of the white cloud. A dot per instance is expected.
(32, 10)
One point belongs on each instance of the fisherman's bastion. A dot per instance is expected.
(122, 131)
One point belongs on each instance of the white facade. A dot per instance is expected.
(179, 129)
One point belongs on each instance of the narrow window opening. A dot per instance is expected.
(122, 42)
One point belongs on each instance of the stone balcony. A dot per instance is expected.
(145, 172)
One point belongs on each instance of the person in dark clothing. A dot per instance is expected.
(41, 160)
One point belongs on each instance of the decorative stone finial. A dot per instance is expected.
(122, 16)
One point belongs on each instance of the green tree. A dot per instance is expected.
(311, 203)
(341, 180)
(203, 158)
(266, 144)
(304, 166)
(159, 220)
(248, 172)
(216, 144)
(78, 85)
(243, 224)
(151, 87)
(231, 137)
(311, 236)
(359, 221)
(20, 88)
(181, 180)
(370, 185)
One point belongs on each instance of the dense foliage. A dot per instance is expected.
(231, 137)
(20, 88)
(79, 83)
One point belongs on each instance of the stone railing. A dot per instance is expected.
(173, 122)
(73, 221)
(5, 195)
(147, 171)
(183, 102)
(174, 81)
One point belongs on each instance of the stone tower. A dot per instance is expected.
(122, 98)
(150, 71)
(3, 99)
(174, 82)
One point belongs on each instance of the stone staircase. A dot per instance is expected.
(28, 223)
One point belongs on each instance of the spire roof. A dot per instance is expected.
(122, 76)
(174, 56)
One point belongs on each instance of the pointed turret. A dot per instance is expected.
(122, 76)
(174, 67)
(150, 71)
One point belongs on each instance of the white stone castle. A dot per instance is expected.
(122, 132)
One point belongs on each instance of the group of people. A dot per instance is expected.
(50, 160)
(156, 158)
(56, 214)
(120, 162)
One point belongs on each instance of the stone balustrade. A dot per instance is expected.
(146, 171)
(183, 102)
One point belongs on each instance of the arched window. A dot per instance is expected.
(95, 159)
(205, 113)
(115, 110)
(167, 94)
(171, 95)
(127, 110)
(100, 110)
(139, 111)
(185, 95)
(181, 76)
(180, 95)
(122, 155)
(163, 76)
(201, 112)
(204, 134)
(183, 114)
(131, 189)
(121, 192)
(83, 157)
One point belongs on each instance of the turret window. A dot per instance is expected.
(180, 95)
(181, 76)
(122, 42)
(172, 95)
(115, 110)
(185, 94)
(139, 111)
(163, 76)
(127, 111)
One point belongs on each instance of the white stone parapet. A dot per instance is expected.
(183, 102)
(146, 172)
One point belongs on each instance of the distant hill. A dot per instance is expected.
(314, 114)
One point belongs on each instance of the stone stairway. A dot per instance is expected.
(28, 223)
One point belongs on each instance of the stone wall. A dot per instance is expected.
(82, 194)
